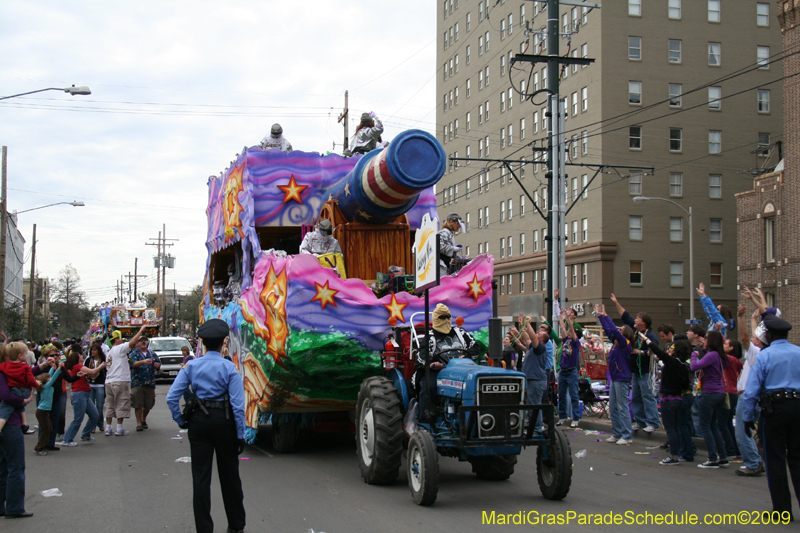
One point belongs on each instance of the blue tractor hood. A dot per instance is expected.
(458, 379)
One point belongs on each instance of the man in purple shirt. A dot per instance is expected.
(568, 374)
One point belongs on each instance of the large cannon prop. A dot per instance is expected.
(368, 206)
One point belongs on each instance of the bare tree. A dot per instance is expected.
(69, 303)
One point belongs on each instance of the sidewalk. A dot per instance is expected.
(658, 436)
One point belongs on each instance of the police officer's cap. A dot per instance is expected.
(777, 325)
(213, 329)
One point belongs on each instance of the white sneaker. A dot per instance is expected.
(122, 432)
(635, 426)
(561, 421)
(109, 431)
(574, 424)
(649, 429)
(623, 442)
(70, 444)
(612, 439)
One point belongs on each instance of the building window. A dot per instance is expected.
(635, 270)
(714, 141)
(714, 54)
(635, 92)
(635, 228)
(535, 272)
(521, 244)
(469, 180)
(585, 185)
(480, 80)
(480, 248)
(521, 129)
(763, 100)
(502, 29)
(467, 224)
(574, 145)
(763, 142)
(584, 52)
(715, 97)
(522, 282)
(769, 238)
(486, 41)
(480, 45)
(486, 75)
(675, 50)
(469, 26)
(486, 141)
(574, 275)
(675, 139)
(635, 137)
(674, 9)
(713, 11)
(502, 249)
(574, 232)
(486, 218)
(585, 99)
(635, 183)
(762, 56)
(536, 240)
(455, 128)
(715, 230)
(480, 218)
(715, 277)
(502, 211)
(762, 14)
(468, 127)
(509, 243)
(510, 208)
(676, 184)
(676, 274)
(715, 186)
(510, 131)
(574, 103)
(480, 11)
(675, 91)
(502, 280)
(585, 230)
(676, 229)
(502, 102)
(635, 8)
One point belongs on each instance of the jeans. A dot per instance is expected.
(6, 409)
(747, 446)
(97, 395)
(686, 428)
(12, 470)
(645, 408)
(695, 419)
(726, 427)
(59, 406)
(710, 413)
(568, 383)
(81, 406)
(670, 415)
(620, 411)
(536, 389)
(423, 394)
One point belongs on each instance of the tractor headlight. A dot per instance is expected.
(514, 420)
(487, 422)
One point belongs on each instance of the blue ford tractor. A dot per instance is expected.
(478, 414)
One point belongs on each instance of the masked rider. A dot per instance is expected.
(320, 241)
(275, 139)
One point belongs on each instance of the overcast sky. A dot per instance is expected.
(178, 88)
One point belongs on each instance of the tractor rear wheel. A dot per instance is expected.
(423, 468)
(379, 431)
(554, 472)
(493, 467)
(284, 432)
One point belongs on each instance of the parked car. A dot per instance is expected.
(168, 350)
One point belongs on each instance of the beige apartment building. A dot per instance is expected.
(686, 87)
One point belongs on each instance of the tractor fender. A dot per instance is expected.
(396, 377)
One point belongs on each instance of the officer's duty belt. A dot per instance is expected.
(781, 395)
(214, 404)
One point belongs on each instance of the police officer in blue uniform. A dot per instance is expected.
(215, 427)
(775, 381)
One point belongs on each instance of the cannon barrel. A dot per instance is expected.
(386, 183)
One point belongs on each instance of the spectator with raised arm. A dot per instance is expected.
(534, 363)
(568, 373)
(645, 408)
(714, 314)
(619, 358)
(712, 399)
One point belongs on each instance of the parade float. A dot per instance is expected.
(306, 330)
(128, 318)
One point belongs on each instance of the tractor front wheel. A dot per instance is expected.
(379, 431)
(423, 468)
(493, 467)
(554, 467)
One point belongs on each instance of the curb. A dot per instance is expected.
(658, 436)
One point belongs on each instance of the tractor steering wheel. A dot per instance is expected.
(446, 355)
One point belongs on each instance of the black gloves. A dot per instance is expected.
(748, 429)
(240, 447)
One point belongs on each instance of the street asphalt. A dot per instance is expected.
(123, 484)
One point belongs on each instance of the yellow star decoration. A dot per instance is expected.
(476, 287)
(396, 309)
(325, 295)
(363, 214)
(347, 190)
(292, 191)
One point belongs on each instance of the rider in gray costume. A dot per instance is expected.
(275, 139)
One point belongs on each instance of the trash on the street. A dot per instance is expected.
(653, 457)
(591, 432)
(619, 474)
(51, 493)
(183, 431)
(591, 469)
(244, 458)
(651, 447)
(641, 453)
(177, 438)
(581, 454)
(183, 460)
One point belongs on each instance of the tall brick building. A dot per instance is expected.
(768, 217)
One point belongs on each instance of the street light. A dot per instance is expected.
(691, 247)
(82, 90)
(76, 203)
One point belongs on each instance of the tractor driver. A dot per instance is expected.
(445, 337)
(320, 241)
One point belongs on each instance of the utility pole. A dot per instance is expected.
(121, 289)
(344, 116)
(161, 271)
(135, 277)
(3, 231)
(32, 292)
